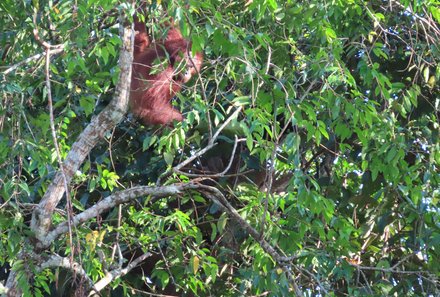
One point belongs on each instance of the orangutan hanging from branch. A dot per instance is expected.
(159, 70)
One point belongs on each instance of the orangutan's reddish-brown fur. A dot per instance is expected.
(141, 39)
(151, 94)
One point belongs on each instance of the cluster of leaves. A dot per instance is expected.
(338, 164)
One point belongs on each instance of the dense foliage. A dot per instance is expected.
(328, 147)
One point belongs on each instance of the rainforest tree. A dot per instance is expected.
(307, 163)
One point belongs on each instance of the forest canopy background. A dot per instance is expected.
(307, 163)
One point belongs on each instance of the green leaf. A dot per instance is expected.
(273, 4)
(25, 188)
(435, 12)
(426, 73)
(169, 158)
(330, 34)
(88, 104)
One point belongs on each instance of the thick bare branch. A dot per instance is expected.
(108, 118)
(114, 200)
(95, 131)
(65, 262)
(156, 192)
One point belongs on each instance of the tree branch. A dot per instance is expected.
(117, 273)
(215, 195)
(112, 201)
(64, 262)
(94, 132)
(31, 58)
(210, 145)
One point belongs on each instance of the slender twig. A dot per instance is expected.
(199, 78)
(432, 25)
(117, 273)
(117, 246)
(316, 279)
(210, 145)
(216, 175)
(215, 195)
(42, 42)
(47, 47)
(31, 58)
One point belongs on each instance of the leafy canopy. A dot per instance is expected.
(335, 148)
